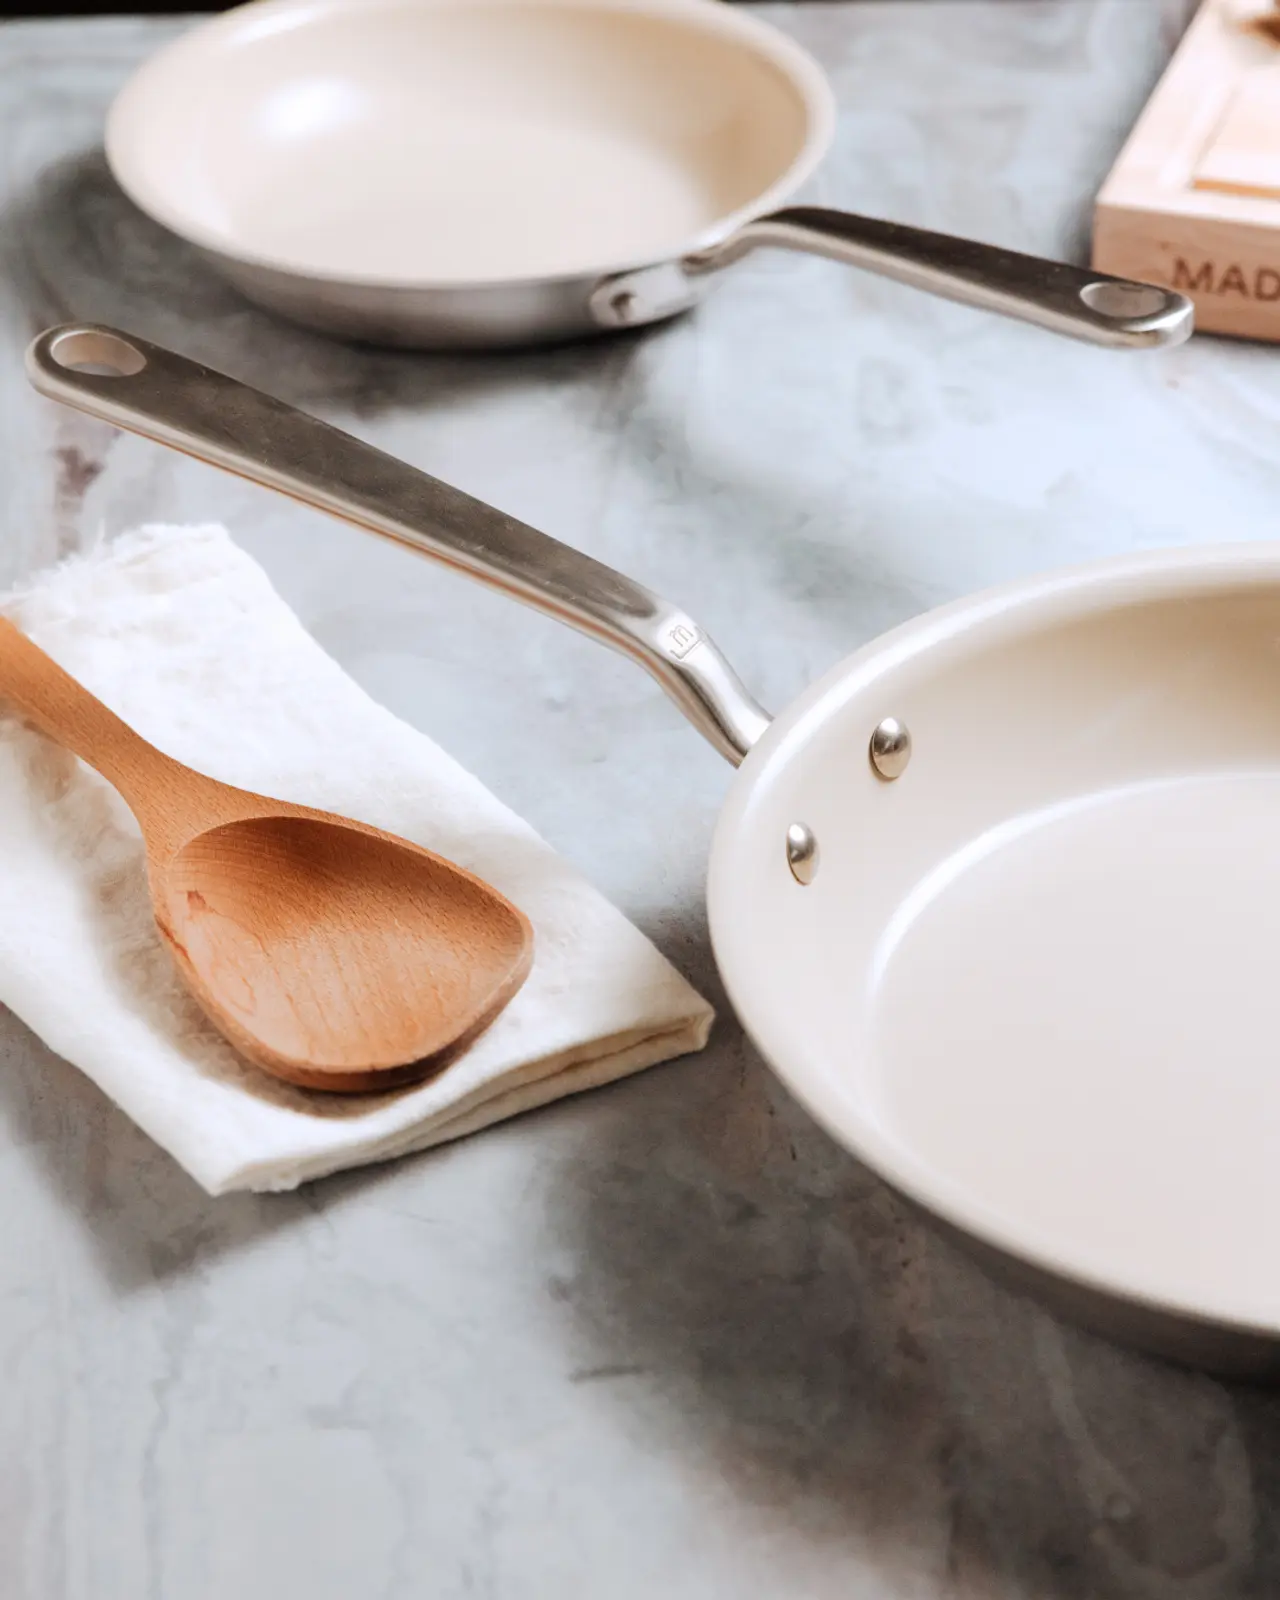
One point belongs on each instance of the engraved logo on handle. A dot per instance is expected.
(680, 638)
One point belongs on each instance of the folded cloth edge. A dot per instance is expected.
(575, 1077)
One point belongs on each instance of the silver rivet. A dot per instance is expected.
(802, 853)
(890, 748)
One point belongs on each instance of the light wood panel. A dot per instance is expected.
(1194, 200)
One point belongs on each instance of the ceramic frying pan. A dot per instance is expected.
(998, 898)
(500, 172)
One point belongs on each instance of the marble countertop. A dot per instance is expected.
(665, 1338)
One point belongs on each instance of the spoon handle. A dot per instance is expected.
(33, 684)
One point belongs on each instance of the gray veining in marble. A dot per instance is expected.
(664, 1339)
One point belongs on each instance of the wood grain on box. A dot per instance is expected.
(1194, 199)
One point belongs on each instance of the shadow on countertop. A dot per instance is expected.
(847, 1371)
(798, 1333)
(145, 1220)
(77, 249)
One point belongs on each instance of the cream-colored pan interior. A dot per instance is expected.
(490, 141)
(1034, 979)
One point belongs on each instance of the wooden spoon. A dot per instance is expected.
(331, 954)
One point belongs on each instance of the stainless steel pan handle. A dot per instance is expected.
(1087, 305)
(136, 385)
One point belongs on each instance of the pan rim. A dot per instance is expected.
(1058, 595)
(799, 68)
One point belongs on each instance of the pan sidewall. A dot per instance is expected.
(128, 135)
(744, 846)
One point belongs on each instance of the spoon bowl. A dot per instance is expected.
(331, 954)
(334, 956)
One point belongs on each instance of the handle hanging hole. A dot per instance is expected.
(98, 353)
(1124, 300)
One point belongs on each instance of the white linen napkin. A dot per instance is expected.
(182, 635)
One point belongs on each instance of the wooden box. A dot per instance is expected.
(1194, 200)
